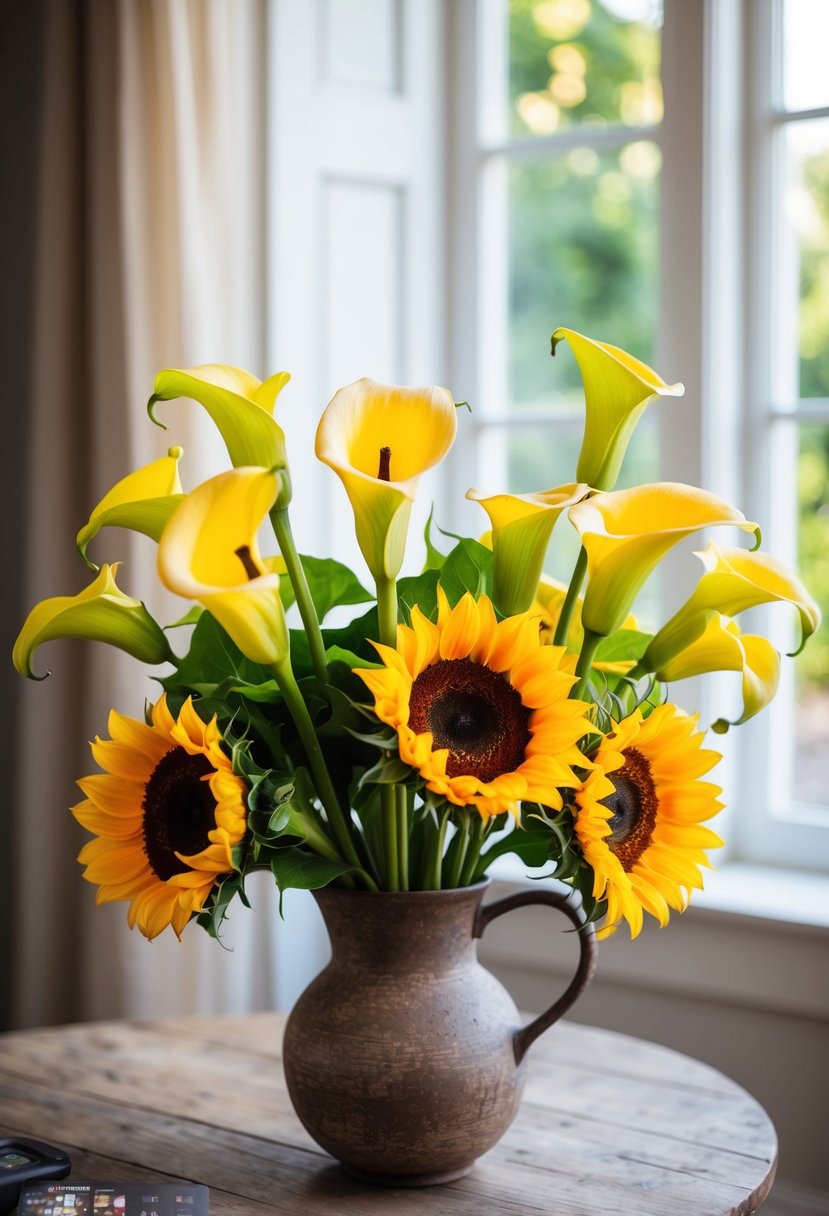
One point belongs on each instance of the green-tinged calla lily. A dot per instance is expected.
(379, 439)
(240, 405)
(209, 552)
(549, 600)
(102, 613)
(142, 501)
(617, 388)
(625, 533)
(734, 580)
(521, 529)
(722, 647)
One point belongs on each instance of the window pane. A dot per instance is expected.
(805, 39)
(583, 61)
(583, 246)
(807, 204)
(811, 768)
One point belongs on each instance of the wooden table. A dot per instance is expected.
(608, 1125)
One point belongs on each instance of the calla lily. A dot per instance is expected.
(617, 388)
(379, 439)
(721, 647)
(521, 529)
(625, 533)
(103, 613)
(142, 501)
(209, 552)
(734, 580)
(240, 405)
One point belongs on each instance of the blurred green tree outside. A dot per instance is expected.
(584, 244)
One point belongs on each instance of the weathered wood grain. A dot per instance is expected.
(610, 1126)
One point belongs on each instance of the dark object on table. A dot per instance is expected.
(24, 1161)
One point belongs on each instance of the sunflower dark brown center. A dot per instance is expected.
(179, 811)
(633, 806)
(475, 713)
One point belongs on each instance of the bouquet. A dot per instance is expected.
(473, 709)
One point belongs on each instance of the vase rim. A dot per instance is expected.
(457, 892)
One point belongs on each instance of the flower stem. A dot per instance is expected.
(571, 599)
(461, 843)
(585, 664)
(287, 546)
(319, 771)
(390, 837)
(402, 836)
(395, 812)
(432, 877)
(477, 835)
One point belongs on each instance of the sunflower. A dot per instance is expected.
(481, 707)
(167, 813)
(639, 816)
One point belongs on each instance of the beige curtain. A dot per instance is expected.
(147, 218)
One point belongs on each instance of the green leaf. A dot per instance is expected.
(421, 590)
(190, 617)
(294, 867)
(622, 645)
(467, 568)
(434, 558)
(332, 584)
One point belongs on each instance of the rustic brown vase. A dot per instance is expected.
(405, 1058)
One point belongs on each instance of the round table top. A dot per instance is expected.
(609, 1124)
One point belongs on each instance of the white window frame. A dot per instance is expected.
(718, 210)
(795, 834)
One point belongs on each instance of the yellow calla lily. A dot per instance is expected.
(142, 501)
(379, 439)
(722, 647)
(209, 552)
(625, 533)
(240, 405)
(521, 528)
(103, 613)
(734, 580)
(617, 388)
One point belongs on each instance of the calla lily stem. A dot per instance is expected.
(316, 763)
(395, 810)
(585, 664)
(571, 599)
(287, 546)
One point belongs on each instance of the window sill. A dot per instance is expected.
(755, 938)
(785, 896)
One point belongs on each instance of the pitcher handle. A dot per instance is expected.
(566, 901)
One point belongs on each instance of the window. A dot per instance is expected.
(581, 200)
(788, 402)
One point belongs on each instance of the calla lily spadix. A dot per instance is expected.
(521, 528)
(102, 613)
(240, 405)
(379, 439)
(722, 647)
(209, 552)
(734, 580)
(625, 533)
(142, 501)
(617, 389)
